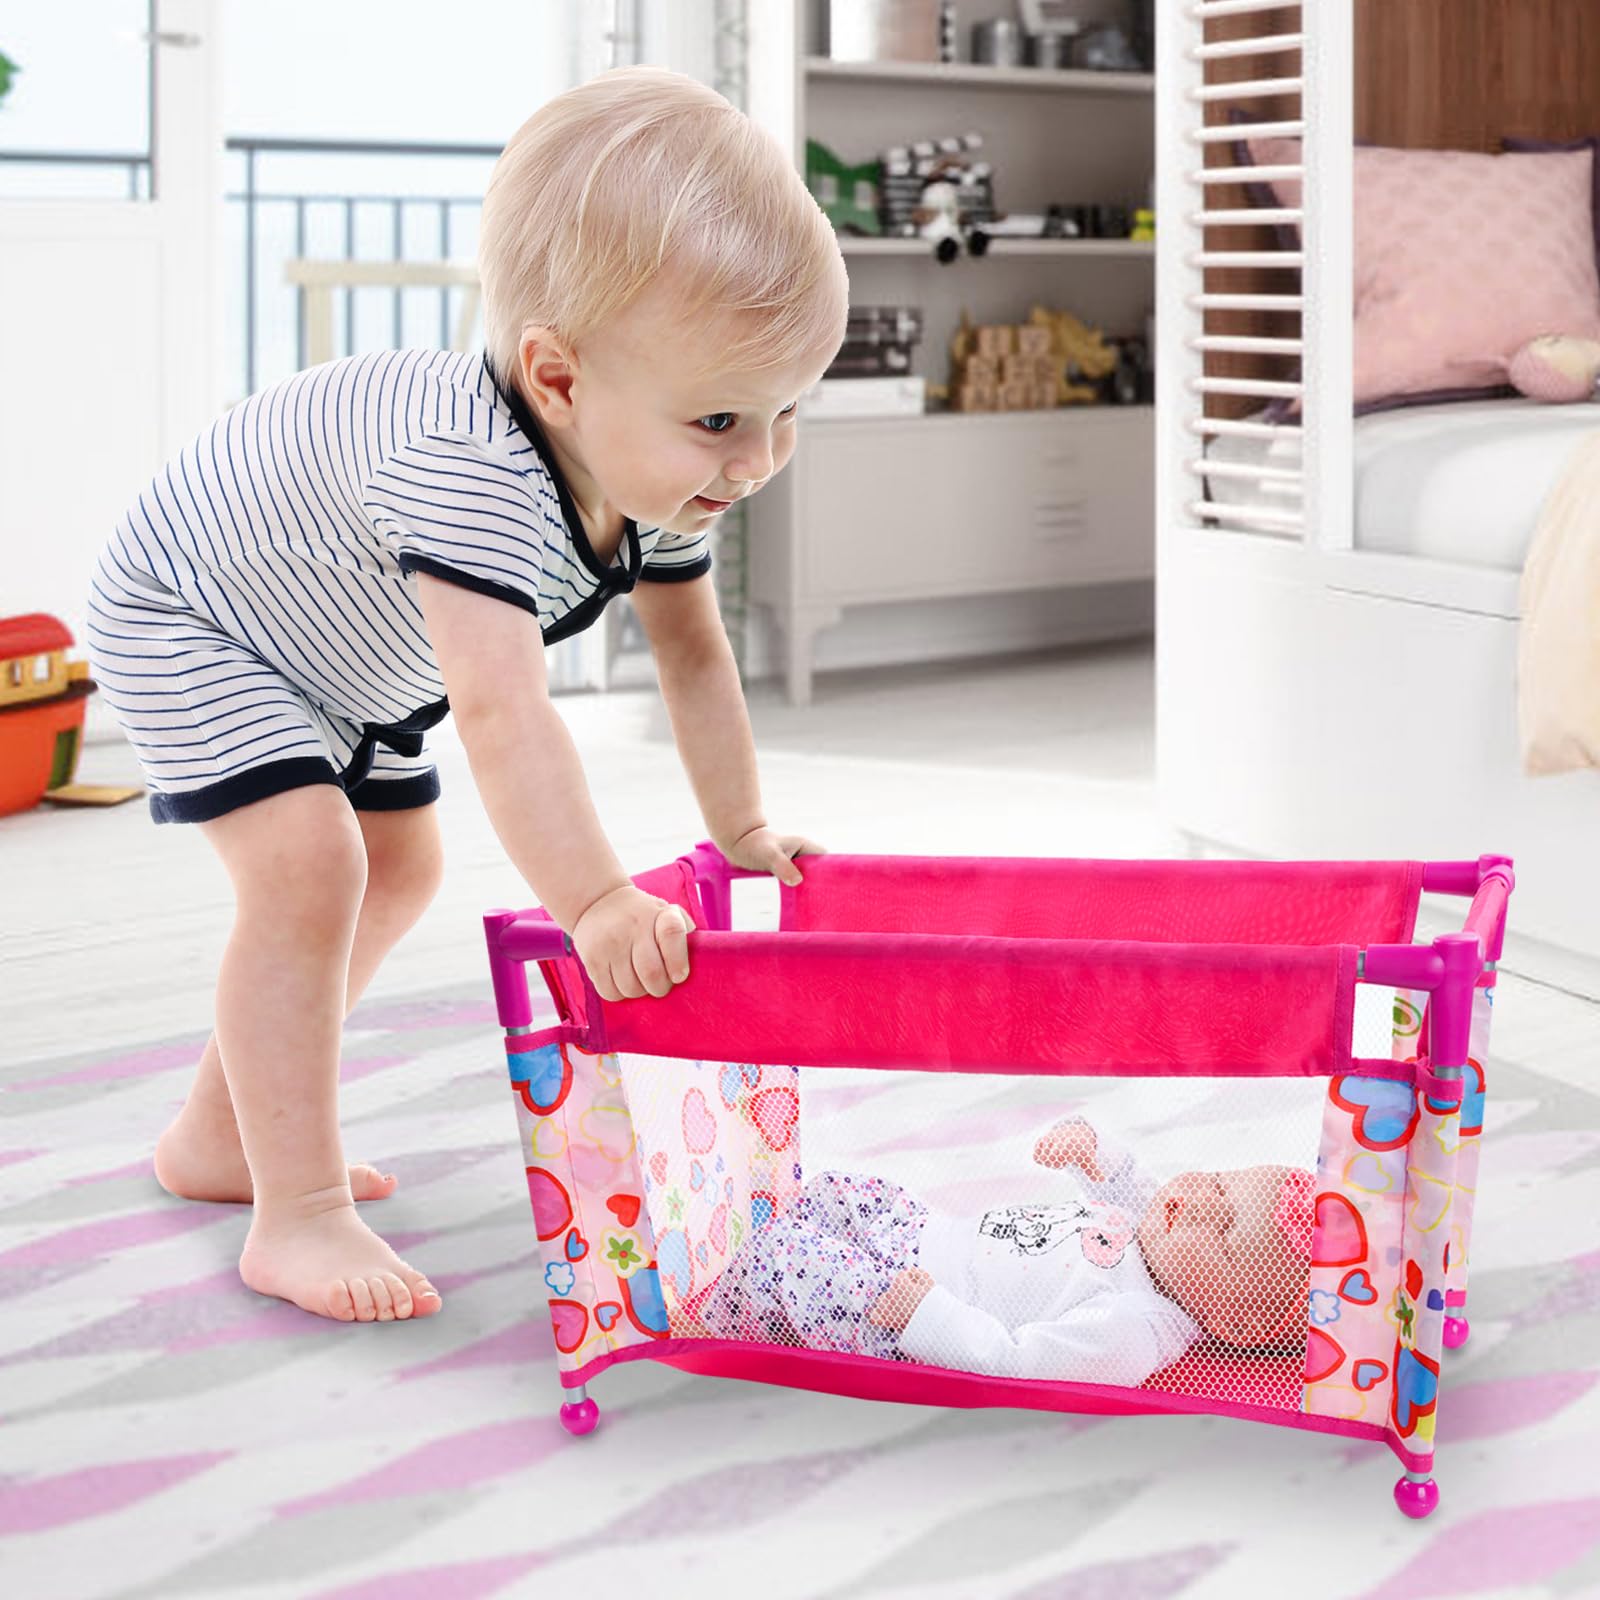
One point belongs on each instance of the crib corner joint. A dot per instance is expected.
(512, 1002)
(1450, 1028)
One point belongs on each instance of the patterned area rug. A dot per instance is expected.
(166, 1433)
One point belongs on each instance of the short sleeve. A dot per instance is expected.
(450, 506)
(677, 557)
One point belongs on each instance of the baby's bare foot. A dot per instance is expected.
(200, 1158)
(317, 1253)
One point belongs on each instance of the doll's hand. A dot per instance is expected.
(1070, 1143)
(894, 1308)
(763, 850)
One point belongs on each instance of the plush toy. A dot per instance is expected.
(938, 219)
(1555, 367)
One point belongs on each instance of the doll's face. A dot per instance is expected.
(1215, 1243)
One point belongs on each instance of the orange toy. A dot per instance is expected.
(42, 701)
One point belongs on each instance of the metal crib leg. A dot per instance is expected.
(580, 1416)
(1416, 1493)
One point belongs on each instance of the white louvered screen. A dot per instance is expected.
(1241, 472)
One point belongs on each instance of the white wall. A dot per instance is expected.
(415, 70)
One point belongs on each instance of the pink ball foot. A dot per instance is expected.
(1455, 1332)
(1416, 1499)
(582, 1418)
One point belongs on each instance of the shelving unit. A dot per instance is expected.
(901, 509)
(966, 424)
(977, 74)
(1133, 249)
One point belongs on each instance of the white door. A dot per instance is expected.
(110, 238)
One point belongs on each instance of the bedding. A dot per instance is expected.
(1558, 644)
(1460, 259)
(1462, 482)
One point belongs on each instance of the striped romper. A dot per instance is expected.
(254, 621)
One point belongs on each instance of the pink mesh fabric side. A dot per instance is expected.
(1458, 1256)
(1361, 1179)
(597, 1250)
(1192, 902)
(719, 1154)
(1419, 1303)
(1008, 1005)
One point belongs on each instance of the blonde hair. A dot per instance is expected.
(638, 172)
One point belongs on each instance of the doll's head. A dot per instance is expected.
(660, 285)
(1234, 1250)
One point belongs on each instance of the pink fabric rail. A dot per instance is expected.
(1011, 1005)
(1192, 902)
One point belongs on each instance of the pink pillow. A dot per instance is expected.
(1460, 260)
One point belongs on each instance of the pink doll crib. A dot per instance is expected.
(927, 1016)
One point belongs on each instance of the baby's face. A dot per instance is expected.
(1212, 1243)
(671, 437)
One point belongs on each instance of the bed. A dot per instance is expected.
(1337, 597)
(1459, 483)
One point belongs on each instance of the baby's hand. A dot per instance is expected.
(762, 850)
(632, 943)
(894, 1308)
(1070, 1143)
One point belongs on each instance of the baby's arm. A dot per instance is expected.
(1110, 1172)
(711, 724)
(1113, 1338)
(526, 767)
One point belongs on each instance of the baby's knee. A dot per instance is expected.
(322, 877)
(405, 884)
(405, 863)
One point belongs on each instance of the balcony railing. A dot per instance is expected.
(291, 203)
(135, 168)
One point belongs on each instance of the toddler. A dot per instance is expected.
(1108, 1289)
(314, 582)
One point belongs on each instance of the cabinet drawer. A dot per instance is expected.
(947, 504)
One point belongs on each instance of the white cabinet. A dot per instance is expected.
(882, 510)
(946, 505)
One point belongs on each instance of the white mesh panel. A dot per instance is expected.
(1373, 1037)
(1044, 1273)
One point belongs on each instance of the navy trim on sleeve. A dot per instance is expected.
(243, 789)
(468, 580)
(695, 569)
(575, 621)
